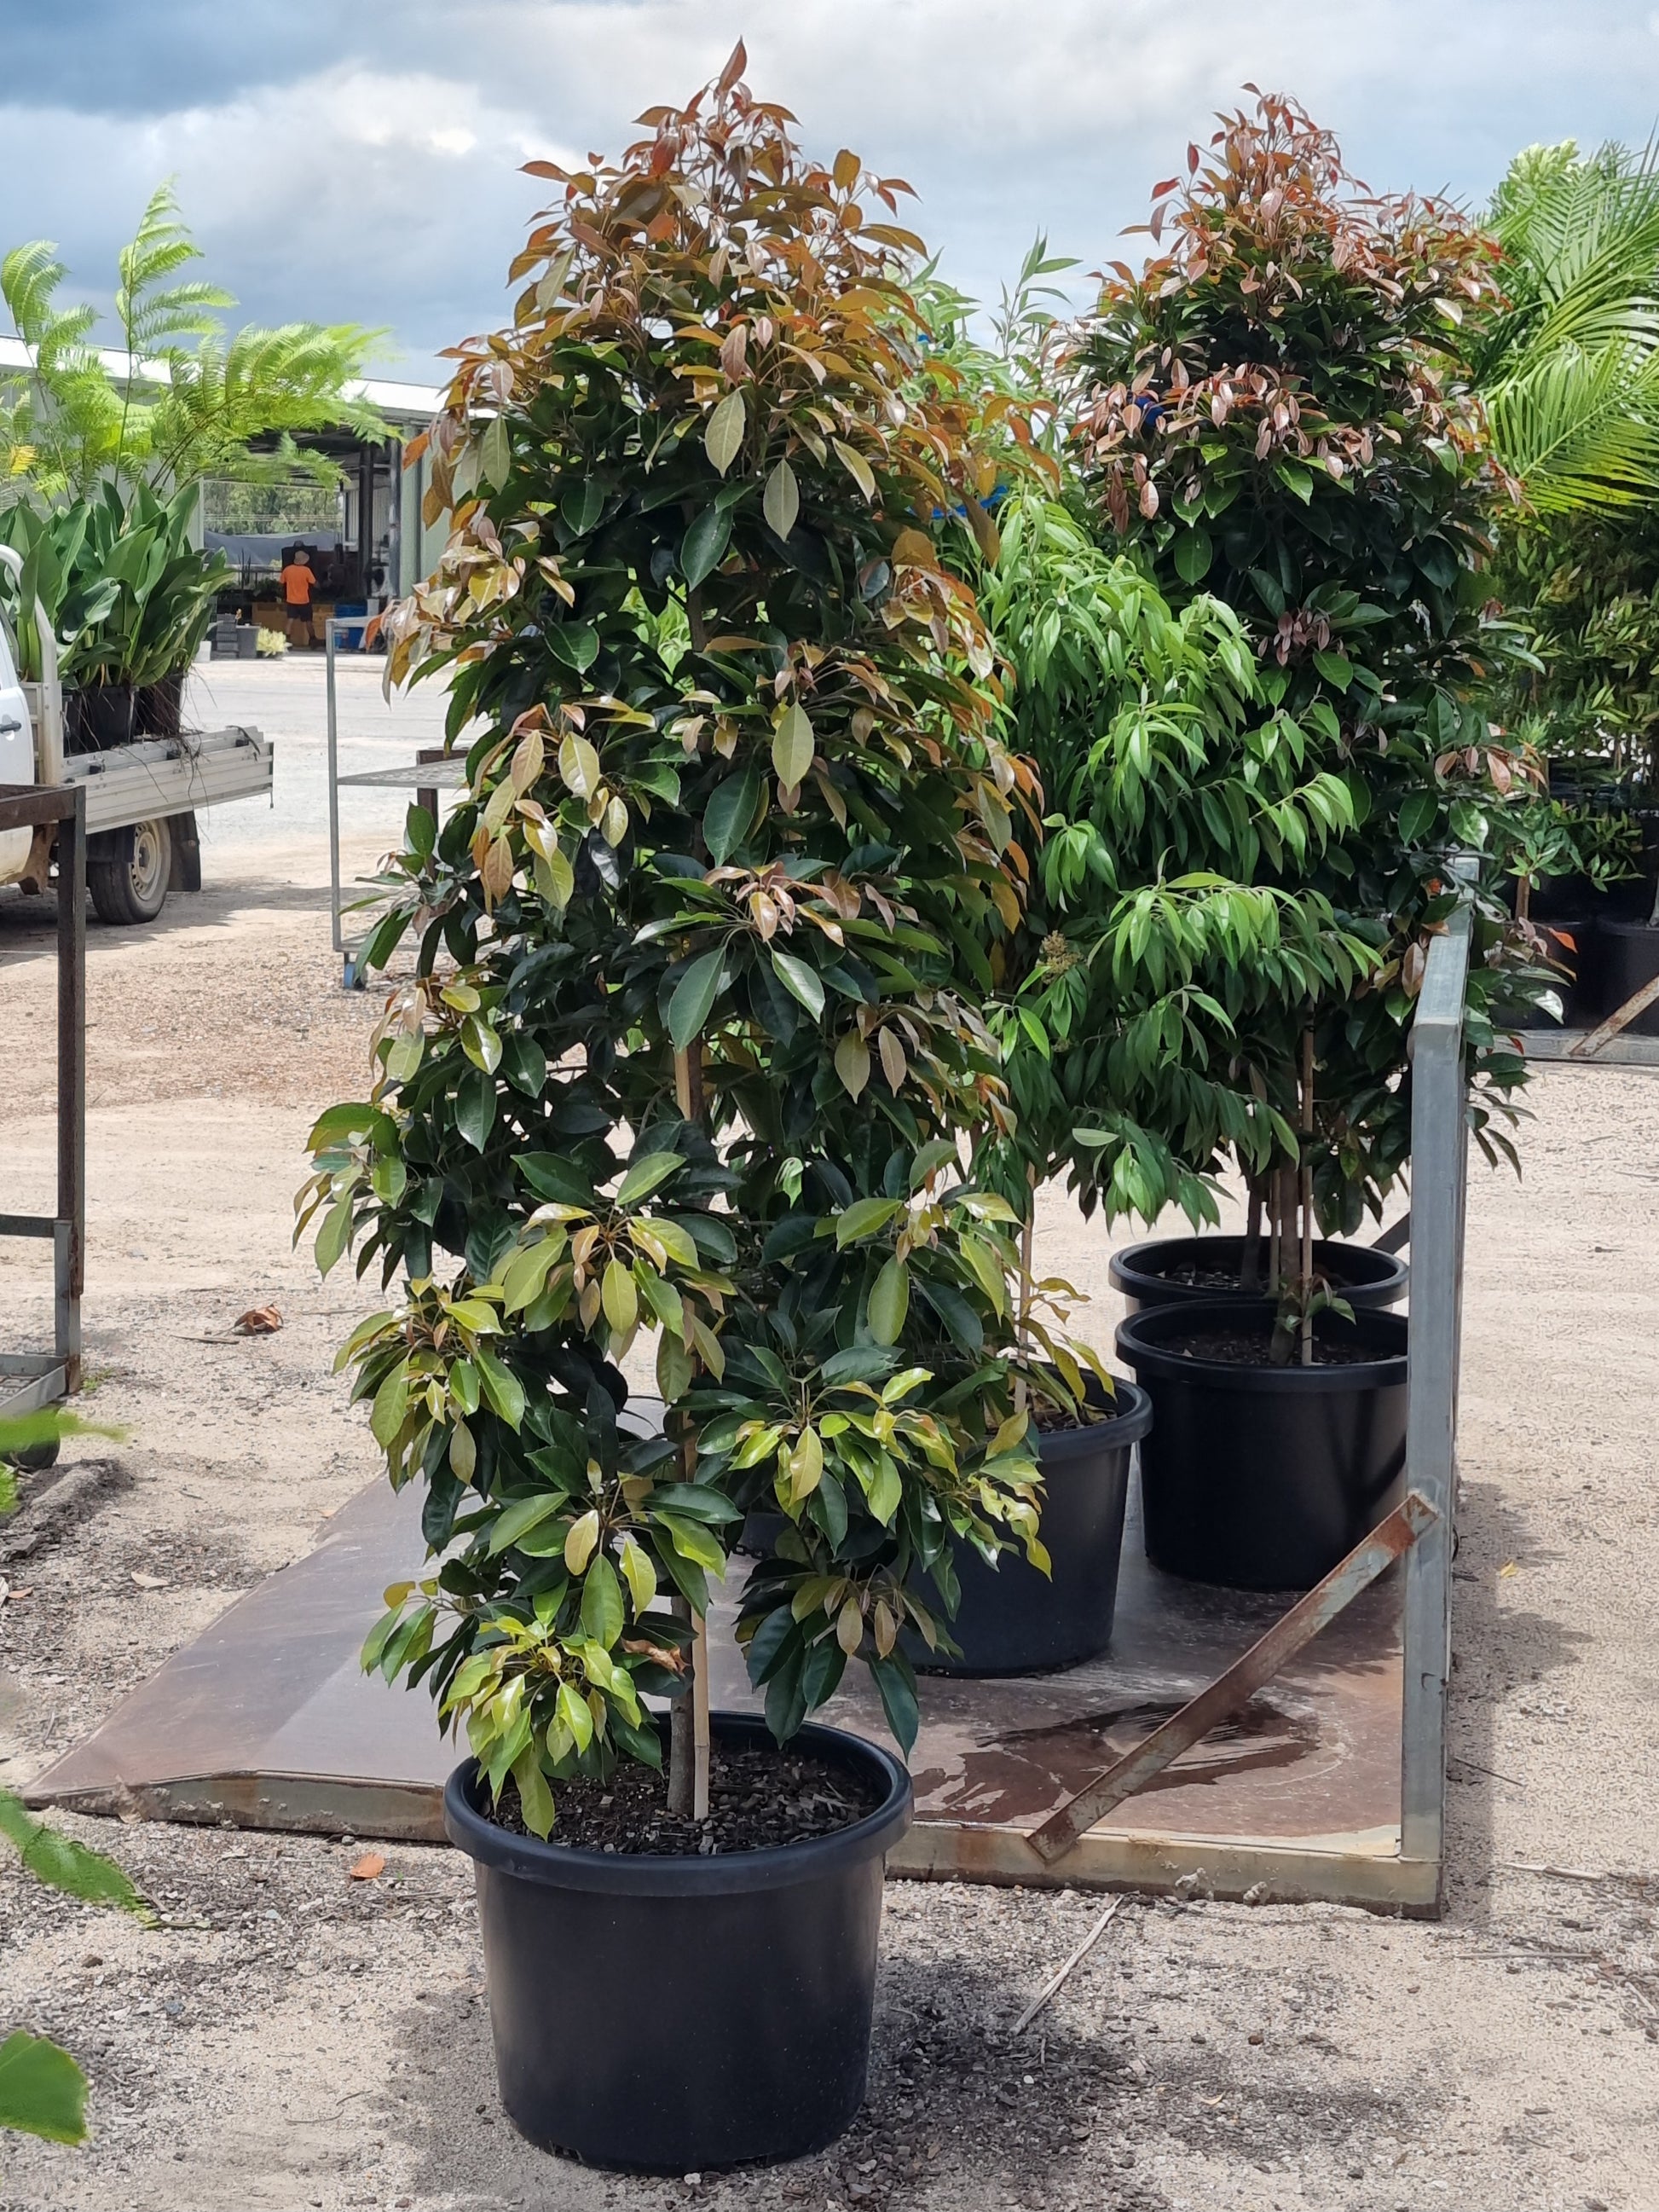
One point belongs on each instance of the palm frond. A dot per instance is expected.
(1569, 369)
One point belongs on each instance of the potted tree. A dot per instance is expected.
(685, 1050)
(1277, 413)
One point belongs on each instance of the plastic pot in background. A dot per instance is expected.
(1263, 1477)
(1572, 949)
(160, 707)
(99, 715)
(675, 2015)
(1629, 957)
(1144, 1273)
(1013, 1619)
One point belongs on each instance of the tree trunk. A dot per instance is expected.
(1249, 1274)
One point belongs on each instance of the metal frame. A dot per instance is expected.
(1440, 1171)
(1406, 1875)
(425, 778)
(30, 1380)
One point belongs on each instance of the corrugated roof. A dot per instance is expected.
(400, 403)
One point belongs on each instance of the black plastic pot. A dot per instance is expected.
(1014, 1620)
(1572, 949)
(1142, 1272)
(1261, 1478)
(99, 715)
(160, 707)
(670, 2015)
(1629, 958)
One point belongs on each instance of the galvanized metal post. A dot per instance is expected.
(1439, 1164)
(69, 1238)
(337, 940)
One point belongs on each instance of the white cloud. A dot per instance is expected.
(386, 191)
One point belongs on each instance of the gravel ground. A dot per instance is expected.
(292, 2036)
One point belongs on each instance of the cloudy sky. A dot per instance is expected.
(361, 162)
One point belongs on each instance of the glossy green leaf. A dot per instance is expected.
(889, 1302)
(723, 439)
(864, 1217)
(1193, 553)
(801, 980)
(474, 1107)
(703, 547)
(694, 998)
(42, 2091)
(647, 1174)
(501, 1386)
(782, 502)
(518, 1518)
(729, 813)
(602, 1602)
(793, 745)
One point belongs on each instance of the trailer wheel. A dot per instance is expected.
(128, 872)
(34, 1459)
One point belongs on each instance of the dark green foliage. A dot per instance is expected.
(693, 1043)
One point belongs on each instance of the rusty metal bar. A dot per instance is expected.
(1620, 1019)
(1229, 1692)
(29, 803)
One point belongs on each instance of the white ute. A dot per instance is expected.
(141, 798)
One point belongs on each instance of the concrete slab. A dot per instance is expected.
(267, 1720)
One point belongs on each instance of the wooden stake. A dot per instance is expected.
(699, 1718)
(1023, 1326)
(688, 1730)
(1306, 1194)
(1102, 1922)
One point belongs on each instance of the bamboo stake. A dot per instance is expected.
(689, 1731)
(1101, 1925)
(699, 1716)
(1023, 1326)
(1306, 1194)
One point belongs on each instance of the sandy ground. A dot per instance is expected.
(291, 2038)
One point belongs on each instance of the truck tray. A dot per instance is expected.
(159, 776)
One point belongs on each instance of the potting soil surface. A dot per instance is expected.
(758, 1798)
(1238, 1347)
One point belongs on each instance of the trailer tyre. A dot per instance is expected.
(128, 872)
(34, 1459)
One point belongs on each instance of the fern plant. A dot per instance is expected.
(186, 401)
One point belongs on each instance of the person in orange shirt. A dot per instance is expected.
(297, 581)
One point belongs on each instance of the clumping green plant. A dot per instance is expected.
(693, 1043)
(42, 2091)
(1154, 979)
(129, 597)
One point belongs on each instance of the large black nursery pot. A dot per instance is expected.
(1150, 1274)
(159, 707)
(1629, 957)
(1013, 1619)
(1573, 948)
(1260, 1477)
(99, 715)
(674, 2014)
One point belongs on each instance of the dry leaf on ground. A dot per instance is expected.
(258, 1321)
(370, 1864)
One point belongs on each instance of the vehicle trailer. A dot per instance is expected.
(141, 798)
